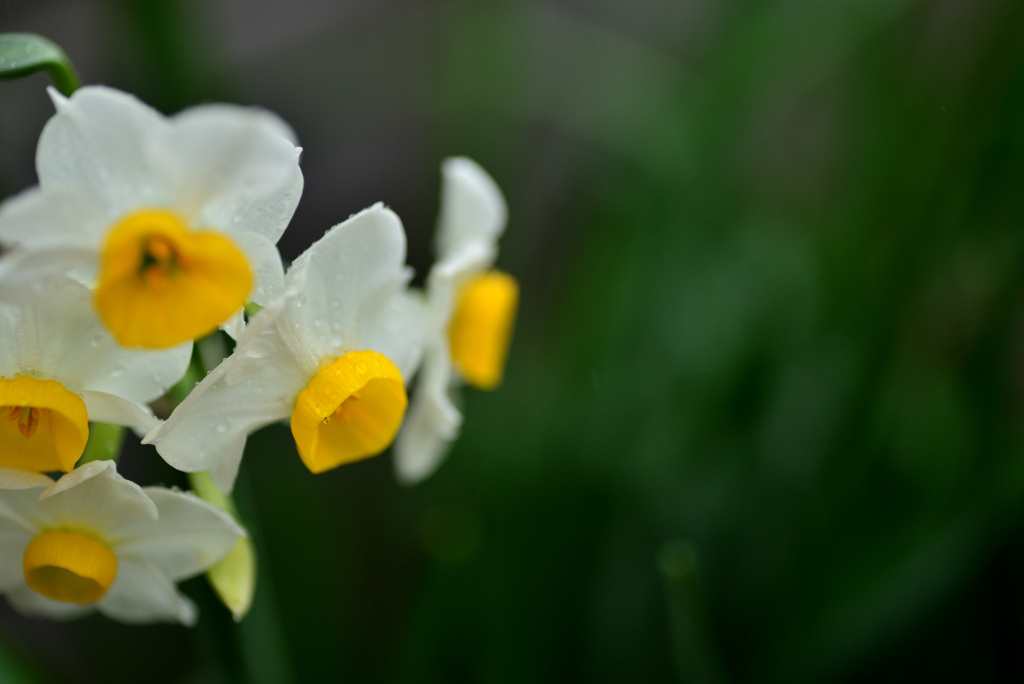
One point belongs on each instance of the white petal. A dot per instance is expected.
(57, 217)
(95, 144)
(14, 539)
(352, 270)
(57, 335)
(265, 262)
(9, 340)
(28, 602)
(255, 386)
(421, 445)
(142, 593)
(189, 536)
(15, 478)
(473, 209)
(107, 408)
(432, 422)
(235, 325)
(444, 280)
(435, 383)
(93, 497)
(19, 520)
(230, 168)
(397, 329)
(22, 270)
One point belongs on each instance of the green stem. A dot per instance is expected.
(202, 484)
(262, 638)
(693, 649)
(193, 374)
(104, 443)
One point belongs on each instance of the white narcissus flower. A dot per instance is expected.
(60, 369)
(92, 540)
(174, 220)
(331, 354)
(471, 311)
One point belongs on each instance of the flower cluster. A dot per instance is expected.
(147, 233)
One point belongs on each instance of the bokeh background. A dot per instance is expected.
(762, 419)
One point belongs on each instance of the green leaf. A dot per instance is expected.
(23, 54)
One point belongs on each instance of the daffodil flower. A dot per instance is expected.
(173, 220)
(331, 355)
(92, 540)
(471, 310)
(60, 369)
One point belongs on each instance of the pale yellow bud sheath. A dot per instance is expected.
(43, 427)
(162, 283)
(350, 410)
(69, 566)
(481, 327)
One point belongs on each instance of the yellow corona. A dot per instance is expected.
(350, 410)
(162, 283)
(43, 426)
(69, 566)
(481, 328)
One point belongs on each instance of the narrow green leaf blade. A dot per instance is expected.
(23, 54)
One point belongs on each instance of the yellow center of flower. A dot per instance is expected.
(43, 427)
(161, 283)
(350, 410)
(68, 566)
(481, 328)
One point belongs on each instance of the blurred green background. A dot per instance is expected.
(762, 415)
